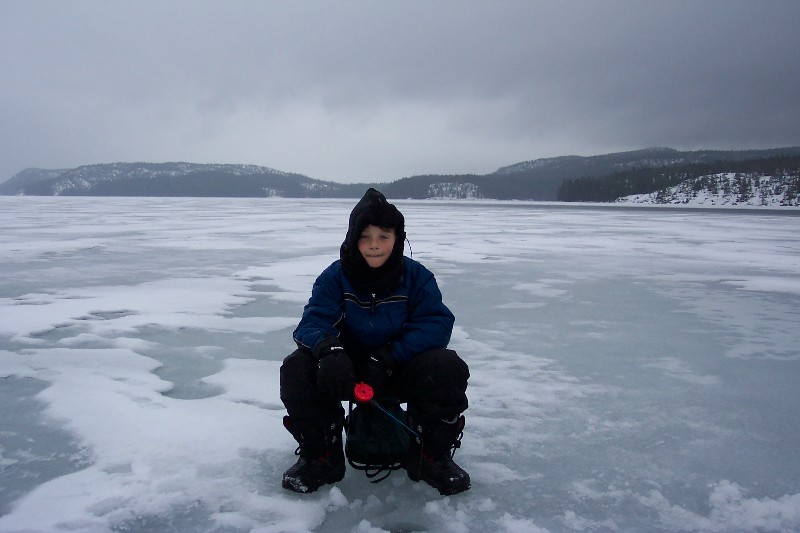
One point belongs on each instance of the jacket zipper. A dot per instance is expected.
(372, 306)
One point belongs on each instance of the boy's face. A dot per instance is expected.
(376, 245)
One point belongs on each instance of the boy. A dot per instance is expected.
(375, 316)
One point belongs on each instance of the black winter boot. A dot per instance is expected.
(430, 459)
(321, 458)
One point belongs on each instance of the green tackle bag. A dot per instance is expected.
(377, 439)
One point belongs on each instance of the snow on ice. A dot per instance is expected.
(632, 368)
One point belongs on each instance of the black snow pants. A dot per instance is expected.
(433, 383)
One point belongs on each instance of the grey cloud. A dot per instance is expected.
(380, 90)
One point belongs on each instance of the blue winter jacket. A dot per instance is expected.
(412, 318)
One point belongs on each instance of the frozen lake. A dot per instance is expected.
(632, 368)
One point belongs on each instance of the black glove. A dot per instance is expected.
(335, 374)
(380, 367)
(327, 346)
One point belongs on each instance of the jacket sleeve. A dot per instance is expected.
(429, 324)
(322, 313)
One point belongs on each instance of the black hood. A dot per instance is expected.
(373, 208)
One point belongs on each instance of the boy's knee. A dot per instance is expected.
(444, 366)
(296, 373)
(454, 364)
(298, 360)
(438, 385)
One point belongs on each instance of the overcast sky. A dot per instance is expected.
(376, 90)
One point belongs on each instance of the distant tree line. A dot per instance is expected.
(600, 178)
(648, 180)
(518, 186)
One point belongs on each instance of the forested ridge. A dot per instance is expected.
(649, 180)
(600, 178)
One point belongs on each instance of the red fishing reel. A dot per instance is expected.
(363, 392)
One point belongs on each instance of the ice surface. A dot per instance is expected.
(632, 369)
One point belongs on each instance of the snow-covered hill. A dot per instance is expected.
(166, 179)
(600, 178)
(727, 190)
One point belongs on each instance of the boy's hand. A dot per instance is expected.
(328, 346)
(379, 369)
(335, 376)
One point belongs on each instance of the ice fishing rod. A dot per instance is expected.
(365, 395)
